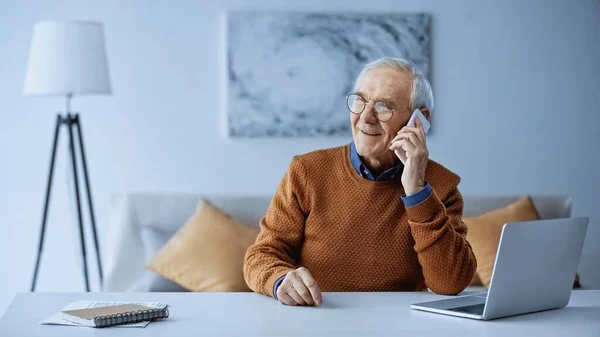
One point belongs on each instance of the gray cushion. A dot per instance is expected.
(154, 239)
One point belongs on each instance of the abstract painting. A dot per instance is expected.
(289, 72)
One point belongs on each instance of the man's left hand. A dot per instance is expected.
(412, 140)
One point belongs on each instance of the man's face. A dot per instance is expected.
(371, 136)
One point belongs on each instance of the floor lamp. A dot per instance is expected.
(68, 58)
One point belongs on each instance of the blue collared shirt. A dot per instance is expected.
(388, 174)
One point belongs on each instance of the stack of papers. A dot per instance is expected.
(61, 318)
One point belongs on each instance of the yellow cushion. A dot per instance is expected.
(207, 253)
(484, 233)
(476, 281)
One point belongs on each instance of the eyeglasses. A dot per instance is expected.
(357, 104)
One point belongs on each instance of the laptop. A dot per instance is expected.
(534, 271)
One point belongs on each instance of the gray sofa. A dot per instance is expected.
(140, 224)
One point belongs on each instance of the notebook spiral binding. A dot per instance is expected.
(131, 317)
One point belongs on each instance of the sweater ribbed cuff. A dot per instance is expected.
(274, 277)
(276, 285)
(426, 210)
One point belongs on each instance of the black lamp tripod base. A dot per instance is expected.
(72, 122)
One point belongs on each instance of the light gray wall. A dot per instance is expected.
(517, 94)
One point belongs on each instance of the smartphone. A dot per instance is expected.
(411, 122)
(418, 114)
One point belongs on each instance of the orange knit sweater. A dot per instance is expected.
(354, 234)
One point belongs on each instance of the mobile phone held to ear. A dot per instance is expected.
(401, 154)
(418, 114)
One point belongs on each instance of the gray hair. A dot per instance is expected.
(421, 94)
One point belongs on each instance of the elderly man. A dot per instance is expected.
(354, 218)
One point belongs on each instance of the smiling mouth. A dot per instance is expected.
(370, 134)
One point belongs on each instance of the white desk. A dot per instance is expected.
(342, 314)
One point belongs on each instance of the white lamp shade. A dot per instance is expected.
(67, 58)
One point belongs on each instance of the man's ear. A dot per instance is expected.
(425, 111)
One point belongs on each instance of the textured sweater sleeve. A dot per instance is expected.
(440, 235)
(277, 247)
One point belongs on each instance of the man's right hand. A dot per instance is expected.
(299, 288)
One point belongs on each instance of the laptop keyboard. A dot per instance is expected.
(476, 309)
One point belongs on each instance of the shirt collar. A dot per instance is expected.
(364, 172)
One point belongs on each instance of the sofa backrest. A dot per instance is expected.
(170, 211)
(549, 207)
(140, 224)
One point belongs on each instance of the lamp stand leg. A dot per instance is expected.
(89, 196)
(81, 233)
(47, 202)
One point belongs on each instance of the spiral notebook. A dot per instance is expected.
(100, 314)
